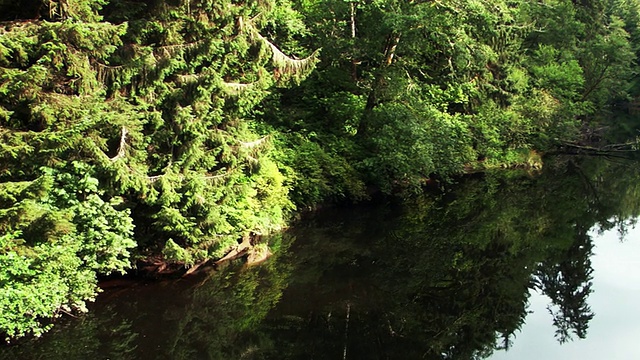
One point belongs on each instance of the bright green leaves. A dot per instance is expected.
(157, 106)
(43, 64)
(145, 120)
(38, 283)
(205, 214)
(107, 234)
(173, 251)
(58, 234)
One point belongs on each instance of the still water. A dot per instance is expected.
(545, 265)
(613, 332)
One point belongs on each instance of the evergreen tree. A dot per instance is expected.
(181, 127)
(115, 114)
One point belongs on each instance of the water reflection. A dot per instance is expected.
(200, 318)
(613, 331)
(435, 277)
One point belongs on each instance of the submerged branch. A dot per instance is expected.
(346, 332)
(611, 151)
(629, 147)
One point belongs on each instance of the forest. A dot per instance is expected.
(175, 129)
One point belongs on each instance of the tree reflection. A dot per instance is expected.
(449, 277)
(223, 311)
(566, 280)
(81, 339)
(443, 276)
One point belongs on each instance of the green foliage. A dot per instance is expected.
(561, 77)
(174, 252)
(59, 233)
(202, 121)
(40, 282)
(113, 112)
(409, 143)
(507, 77)
(317, 174)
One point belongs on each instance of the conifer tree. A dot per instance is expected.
(126, 124)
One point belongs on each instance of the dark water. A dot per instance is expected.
(447, 276)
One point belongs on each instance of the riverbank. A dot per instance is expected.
(401, 274)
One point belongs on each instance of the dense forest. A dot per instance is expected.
(136, 129)
(438, 277)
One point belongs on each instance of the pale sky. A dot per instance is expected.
(614, 332)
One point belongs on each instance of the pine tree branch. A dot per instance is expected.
(155, 178)
(252, 144)
(219, 176)
(233, 88)
(188, 78)
(284, 64)
(123, 144)
(171, 50)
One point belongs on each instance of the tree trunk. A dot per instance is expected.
(372, 100)
(354, 62)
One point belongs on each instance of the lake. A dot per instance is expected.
(542, 264)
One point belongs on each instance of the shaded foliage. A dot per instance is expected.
(445, 276)
(122, 113)
(180, 127)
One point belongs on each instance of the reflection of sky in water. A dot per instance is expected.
(614, 332)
